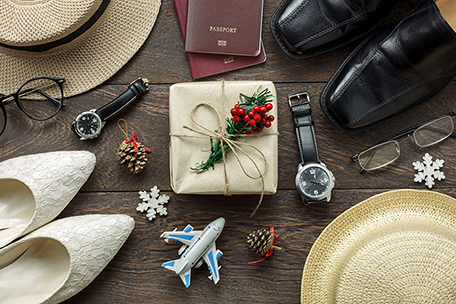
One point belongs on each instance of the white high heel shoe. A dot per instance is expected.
(34, 189)
(58, 260)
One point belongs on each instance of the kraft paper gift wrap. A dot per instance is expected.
(188, 148)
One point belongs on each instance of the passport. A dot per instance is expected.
(224, 27)
(203, 65)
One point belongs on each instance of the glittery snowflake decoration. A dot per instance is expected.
(153, 203)
(428, 170)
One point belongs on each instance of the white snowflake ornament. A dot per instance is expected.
(153, 203)
(428, 170)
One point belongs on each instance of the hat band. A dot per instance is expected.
(81, 30)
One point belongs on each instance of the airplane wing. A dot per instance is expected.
(187, 236)
(210, 257)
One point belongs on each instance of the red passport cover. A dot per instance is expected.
(202, 65)
(231, 27)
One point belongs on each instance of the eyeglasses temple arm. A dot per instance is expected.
(54, 101)
(7, 98)
(413, 128)
(51, 99)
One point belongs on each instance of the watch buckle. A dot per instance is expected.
(298, 97)
(146, 81)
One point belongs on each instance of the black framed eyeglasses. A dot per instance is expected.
(388, 150)
(39, 98)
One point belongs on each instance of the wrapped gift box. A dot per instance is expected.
(187, 148)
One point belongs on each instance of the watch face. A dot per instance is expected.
(88, 124)
(313, 182)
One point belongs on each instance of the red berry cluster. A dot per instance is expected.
(255, 119)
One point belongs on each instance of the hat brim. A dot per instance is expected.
(394, 247)
(95, 58)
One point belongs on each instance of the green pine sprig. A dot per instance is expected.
(260, 99)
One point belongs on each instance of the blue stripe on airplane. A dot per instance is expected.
(171, 264)
(211, 259)
(181, 236)
(187, 280)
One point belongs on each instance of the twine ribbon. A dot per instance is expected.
(224, 138)
(269, 253)
(134, 137)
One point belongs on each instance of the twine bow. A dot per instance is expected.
(269, 253)
(220, 134)
(133, 138)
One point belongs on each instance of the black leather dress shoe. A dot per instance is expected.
(306, 28)
(396, 68)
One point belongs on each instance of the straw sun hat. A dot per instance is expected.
(395, 247)
(85, 41)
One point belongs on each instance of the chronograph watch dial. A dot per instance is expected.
(88, 125)
(314, 181)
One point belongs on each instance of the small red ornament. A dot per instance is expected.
(263, 242)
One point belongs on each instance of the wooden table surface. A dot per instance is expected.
(135, 274)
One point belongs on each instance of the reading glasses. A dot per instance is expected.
(388, 150)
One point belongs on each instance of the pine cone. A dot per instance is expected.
(262, 241)
(135, 161)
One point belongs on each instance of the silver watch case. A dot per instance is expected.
(96, 133)
(326, 194)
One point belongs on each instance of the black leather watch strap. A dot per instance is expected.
(304, 126)
(136, 88)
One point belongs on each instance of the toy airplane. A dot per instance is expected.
(198, 246)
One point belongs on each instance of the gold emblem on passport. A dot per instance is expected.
(228, 59)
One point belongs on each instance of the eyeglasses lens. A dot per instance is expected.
(41, 98)
(434, 131)
(379, 156)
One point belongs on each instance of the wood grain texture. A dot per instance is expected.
(135, 275)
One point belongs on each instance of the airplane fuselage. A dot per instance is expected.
(199, 247)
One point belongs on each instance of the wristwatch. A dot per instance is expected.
(88, 124)
(314, 181)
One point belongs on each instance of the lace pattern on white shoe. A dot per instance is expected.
(54, 179)
(91, 241)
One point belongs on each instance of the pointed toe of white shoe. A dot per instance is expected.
(34, 189)
(58, 260)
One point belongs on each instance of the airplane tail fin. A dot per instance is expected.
(172, 265)
(186, 278)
